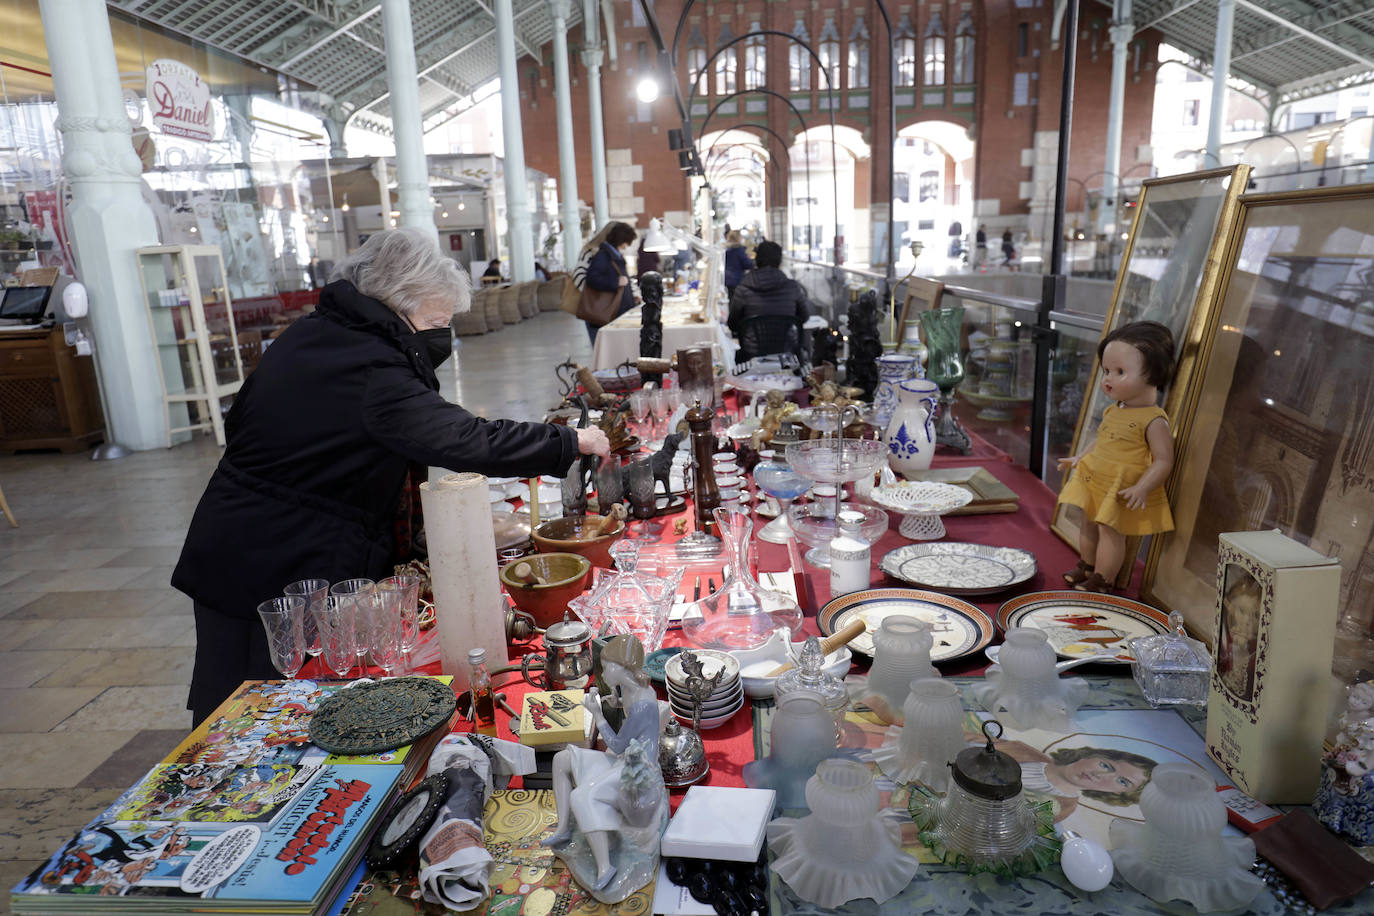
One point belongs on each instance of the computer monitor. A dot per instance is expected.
(25, 303)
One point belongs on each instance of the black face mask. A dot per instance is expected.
(437, 343)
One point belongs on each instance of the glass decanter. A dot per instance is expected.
(742, 614)
(627, 600)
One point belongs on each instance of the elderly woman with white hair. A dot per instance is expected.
(321, 439)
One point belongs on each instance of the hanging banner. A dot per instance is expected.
(180, 101)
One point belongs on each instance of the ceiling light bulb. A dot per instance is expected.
(444, 215)
(325, 218)
(345, 208)
(462, 205)
(647, 89)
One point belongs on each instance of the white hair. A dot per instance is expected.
(404, 269)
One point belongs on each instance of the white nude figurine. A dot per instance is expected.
(617, 791)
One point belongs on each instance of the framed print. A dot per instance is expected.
(922, 295)
(1280, 434)
(1169, 274)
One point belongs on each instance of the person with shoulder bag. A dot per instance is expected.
(606, 290)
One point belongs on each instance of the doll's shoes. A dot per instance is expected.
(1094, 583)
(1079, 573)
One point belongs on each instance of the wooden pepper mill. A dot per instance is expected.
(705, 493)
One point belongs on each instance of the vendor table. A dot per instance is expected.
(619, 340)
(936, 888)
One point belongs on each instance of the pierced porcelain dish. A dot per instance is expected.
(921, 503)
(959, 568)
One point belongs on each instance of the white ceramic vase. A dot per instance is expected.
(910, 434)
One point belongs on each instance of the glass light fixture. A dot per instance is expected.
(647, 90)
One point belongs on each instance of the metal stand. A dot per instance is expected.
(947, 429)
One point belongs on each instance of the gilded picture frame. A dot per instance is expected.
(1169, 273)
(1280, 431)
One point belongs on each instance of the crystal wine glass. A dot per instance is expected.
(385, 639)
(282, 618)
(314, 591)
(360, 594)
(643, 498)
(409, 588)
(639, 406)
(336, 634)
(780, 481)
(659, 401)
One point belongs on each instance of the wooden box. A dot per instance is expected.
(1277, 604)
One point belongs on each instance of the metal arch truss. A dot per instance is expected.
(337, 46)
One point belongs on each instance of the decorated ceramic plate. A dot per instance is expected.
(959, 568)
(959, 628)
(1084, 623)
(711, 662)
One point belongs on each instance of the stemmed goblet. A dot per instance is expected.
(659, 401)
(282, 619)
(408, 589)
(385, 630)
(337, 638)
(643, 498)
(314, 591)
(639, 407)
(780, 481)
(360, 595)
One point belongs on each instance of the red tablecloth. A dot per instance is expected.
(731, 746)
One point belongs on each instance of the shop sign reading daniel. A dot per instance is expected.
(180, 101)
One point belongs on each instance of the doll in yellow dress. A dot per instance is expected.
(1118, 481)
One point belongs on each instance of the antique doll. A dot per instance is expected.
(1118, 481)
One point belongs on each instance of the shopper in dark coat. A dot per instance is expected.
(766, 291)
(607, 271)
(320, 442)
(737, 261)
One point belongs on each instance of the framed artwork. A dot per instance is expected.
(922, 295)
(1169, 273)
(1280, 433)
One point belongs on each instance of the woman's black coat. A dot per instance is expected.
(320, 440)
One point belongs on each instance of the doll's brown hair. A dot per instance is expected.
(1155, 343)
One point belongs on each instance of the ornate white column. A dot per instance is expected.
(412, 171)
(1221, 69)
(567, 154)
(1122, 30)
(517, 200)
(108, 218)
(600, 195)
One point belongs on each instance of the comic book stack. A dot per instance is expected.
(245, 815)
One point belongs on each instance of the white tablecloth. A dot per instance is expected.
(619, 340)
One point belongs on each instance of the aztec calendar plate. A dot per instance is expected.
(372, 718)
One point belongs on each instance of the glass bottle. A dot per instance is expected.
(809, 675)
(483, 702)
(850, 555)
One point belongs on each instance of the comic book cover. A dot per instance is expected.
(294, 853)
(202, 792)
(268, 722)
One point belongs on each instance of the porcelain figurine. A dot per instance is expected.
(612, 804)
(1345, 797)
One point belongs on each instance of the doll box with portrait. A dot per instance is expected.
(1277, 605)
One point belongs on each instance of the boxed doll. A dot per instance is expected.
(1275, 626)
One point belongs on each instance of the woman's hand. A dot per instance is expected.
(592, 441)
(623, 280)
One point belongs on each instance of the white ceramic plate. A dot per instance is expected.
(959, 568)
(711, 662)
(714, 721)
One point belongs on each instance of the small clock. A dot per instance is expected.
(407, 821)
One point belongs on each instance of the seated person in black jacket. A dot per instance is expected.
(321, 441)
(767, 292)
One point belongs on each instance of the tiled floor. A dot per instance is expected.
(96, 648)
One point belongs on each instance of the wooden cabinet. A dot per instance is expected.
(48, 394)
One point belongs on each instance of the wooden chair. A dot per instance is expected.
(922, 295)
(5, 507)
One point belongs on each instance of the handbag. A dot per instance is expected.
(599, 308)
(571, 296)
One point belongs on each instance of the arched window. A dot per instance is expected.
(829, 53)
(755, 61)
(696, 62)
(799, 60)
(727, 62)
(858, 55)
(906, 53)
(963, 51)
(933, 52)
(929, 186)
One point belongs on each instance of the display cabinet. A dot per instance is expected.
(191, 319)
